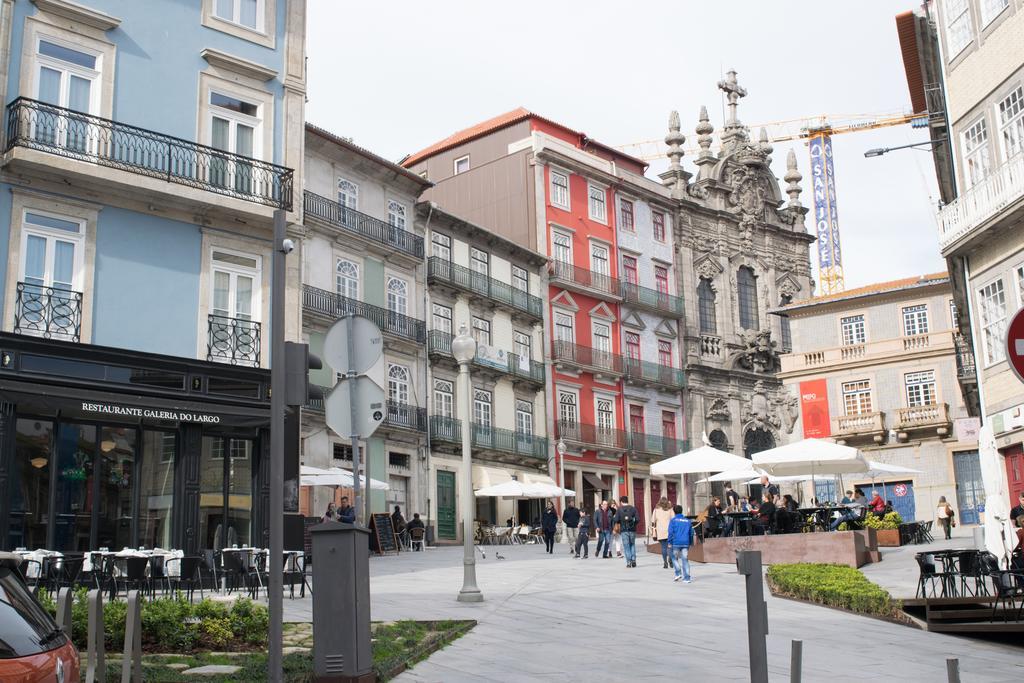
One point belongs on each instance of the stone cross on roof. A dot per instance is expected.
(733, 91)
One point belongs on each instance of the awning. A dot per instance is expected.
(532, 478)
(595, 481)
(489, 476)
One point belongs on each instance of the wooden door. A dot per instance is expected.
(445, 504)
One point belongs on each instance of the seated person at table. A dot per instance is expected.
(787, 516)
(789, 503)
(877, 505)
(847, 499)
(766, 514)
(716, 523)
(852, 511)
(415, 523)
(346, 513)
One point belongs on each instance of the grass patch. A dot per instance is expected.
(834, 586)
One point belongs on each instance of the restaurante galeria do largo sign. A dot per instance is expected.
(179, 415)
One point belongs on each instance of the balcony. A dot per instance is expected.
(652, 374)
(985, 203)
(358, 223)
(235, 341)
(592, 437)
(892, 349)
(439, 345)
(710, 346)
(586, 281)
(398, 416)
(966, 371)
(441, 271)
(654, 446)
(573, 357)
(859, 427)
(334, 306)
(448, 430)
(63, 132)
(933, 417)
(652, 300)
(48, 312)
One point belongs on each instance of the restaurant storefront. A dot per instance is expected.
(103, 447)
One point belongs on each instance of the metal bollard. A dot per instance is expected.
(796, 662)
(748, 563)
(131, 663)
(953, 670)
(64, 601)
(96, 665)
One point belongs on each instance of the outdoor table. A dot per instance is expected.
(819, 516)
(741, 522)
(37, 557)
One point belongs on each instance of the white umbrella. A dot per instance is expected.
(877, 470)
(732, 475)
(519, 489)
(336, 477)
(703, 459)
(817, 456)
(776, 480)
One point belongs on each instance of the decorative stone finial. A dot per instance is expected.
(675, 140)
(766, 147)
(704, 130)
(793, 179)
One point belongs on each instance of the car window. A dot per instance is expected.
(24, 625)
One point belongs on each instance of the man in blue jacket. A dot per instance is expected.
(679, 533)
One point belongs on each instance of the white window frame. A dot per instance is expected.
(440, 242)
(51, 234)
(989, 13)
(397, 213)
(975, 149)
(599, 402)
(597, 203)
(344, 284)
(959, 28)
(481, 331)
(444, 398)
(236, 15)
(1018, 275)
(920, 388)
(348, 198)
(915, 320)
(595, 325)
(479, 261)
(394, 297)
(993, 318)
(520, 278)
(522, 342)
(398, 386)
(559, 249)
(483, 408)
(664, 228)
(632, 214)
(263, 34)
(524, 417)
(854, 394)
(256, 273)
(93, 75)
(606, 252)
(568, 410)
(1010, 116)
(853, 330)
(456, 162)
(561, 316)
(438, 314)
(954, 316)
(558, 190)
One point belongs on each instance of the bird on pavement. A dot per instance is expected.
(499, 555)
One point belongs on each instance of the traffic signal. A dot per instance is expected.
(298, 361)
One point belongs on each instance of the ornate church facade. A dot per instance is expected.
(742, 253)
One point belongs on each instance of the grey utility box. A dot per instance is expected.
(341, 604)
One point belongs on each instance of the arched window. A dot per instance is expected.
(706, 307)
(348, 194)
(757, 440)
(398, 384)
(746, 292)
(348, 279)
(719, 440)
(398, 295)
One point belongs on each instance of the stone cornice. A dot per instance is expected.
(241, 66)
(79, 13)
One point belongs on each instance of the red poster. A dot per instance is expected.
(814, 409)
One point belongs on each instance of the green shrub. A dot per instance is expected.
(832, 585)
(891, 520)
(216, 632)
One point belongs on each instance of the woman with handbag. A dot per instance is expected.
(660, 517)
(944, 513)
(616, 532)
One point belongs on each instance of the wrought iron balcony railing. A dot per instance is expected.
(68, 133)
(586, 358)
(965, 369)
(653, 444)
(360, 223)
(567, 274)
(49, 312)
(592, 436)
(233, 340)
(335, 305)
(440, 343)
(449, 429)
(441, 270)
(644, 372)
(639, 296)
(401, 415)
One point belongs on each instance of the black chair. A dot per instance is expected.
(930, 573)
(26, 568)
(235, 570)
(134, 575)
(1007, 584)
(926, 532)
(212, 564)
(190, 575)
(158, 574)
(969, 567)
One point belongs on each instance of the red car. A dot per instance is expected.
(32, 647)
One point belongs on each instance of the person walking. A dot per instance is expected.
(661, 515)
(616, 530)
(680, 531)
(945, 514)
(603, 521)
(548, 523)
(571, 519)
(627, 520)
(583, 538)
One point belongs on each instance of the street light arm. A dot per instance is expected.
(879, 151)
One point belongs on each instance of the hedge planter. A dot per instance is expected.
(888, 538)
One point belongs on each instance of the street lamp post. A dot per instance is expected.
(464, 351)
(560, 468)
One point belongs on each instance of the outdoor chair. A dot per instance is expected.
(26, 568)
(134, 575)
(190, 574)
(295, 571)
(212, 565)
(929, 575)
(926, 532)
(416, 538)
(1007, 586)
(158, 574)
(969, 567)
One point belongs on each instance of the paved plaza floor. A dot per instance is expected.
(550, 617)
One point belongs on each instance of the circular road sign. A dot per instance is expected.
(1015, 344)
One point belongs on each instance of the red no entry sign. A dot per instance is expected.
(1015, 344)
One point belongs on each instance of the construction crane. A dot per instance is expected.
(818, 132)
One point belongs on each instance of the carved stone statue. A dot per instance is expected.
(758, 354)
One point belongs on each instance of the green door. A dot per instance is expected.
(445, 504)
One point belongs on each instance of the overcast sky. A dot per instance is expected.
(398, 75)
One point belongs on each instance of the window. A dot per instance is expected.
(560, 189)
(348, 194)
(975, 147)
(665, 352)
(746, 284)
(482, 408)
(992, 302)
(629, 270)
(52, 250)
(234, 125)
(524, 417)
(479, 261)
(234, 304)
(958, 25)
(954, 318)
(636, 419)
(564, 327)
(857, 397)
(523, 345)
(67, 77)
(482, 331)
(562, 247)
(1019, 271)
(340, 451)
(568, 412)
(444, 398)
(520, 279)
(920, 388)
(603, 337)
(626, 215)
(787, 332)
(706, 307)
(915, 320)
(668, 426)
(248, 13)
(398, 384)
(348, 279)
(853, 330)
(658, 219)
(1011, 122)
(441, 246)
(990, 9)
(661, 279)
(462, 164)
(442, 318)
(597, 203)
(599, 259)
(605, 414)
(633, 345)
(396, 214)
(398, 295)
